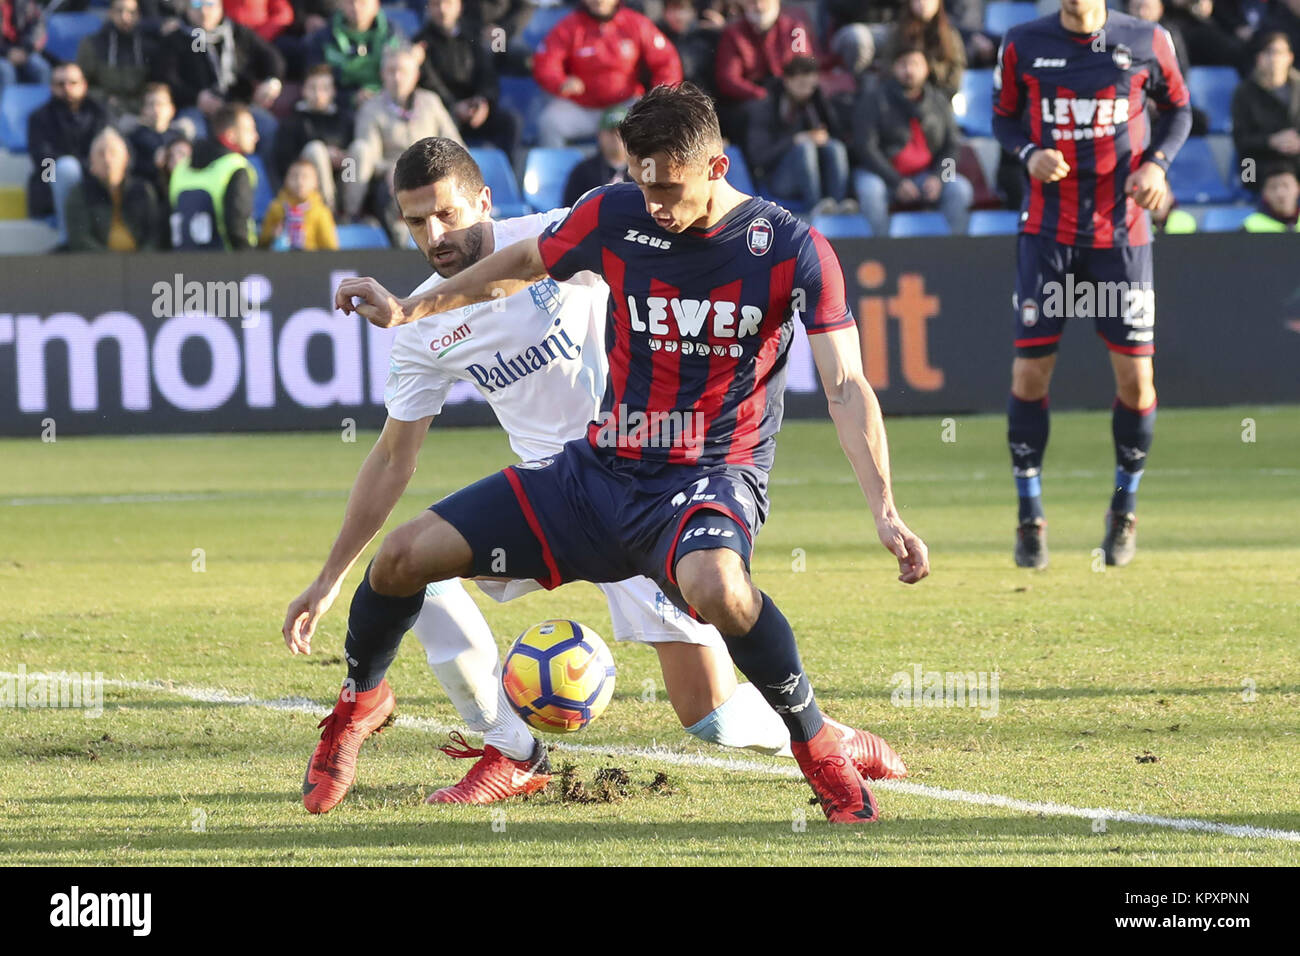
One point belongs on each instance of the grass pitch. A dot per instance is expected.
(1168, 688)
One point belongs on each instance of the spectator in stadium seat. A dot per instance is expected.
(695, 41)
(147, 137)
(1153, 11)
(353, 43)
(214, 61)
(22, 39)
(116, 59)
(110, 209)
(1208, 43)
(608, 165)
(318, 130)
(59, 135)
(386, 125)
(460, 69)
(297, 41)
(1283, 16)
(267, 18)
(794, 143)
(211, 193)
(752, 51)
(299, 218)
(967, 16)
(924, 23)
(1266, 109)
(596, 58)
(905, 147)
(1279, 203)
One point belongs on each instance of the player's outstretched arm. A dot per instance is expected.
(861, 430)
(383, 477)
(501, 274)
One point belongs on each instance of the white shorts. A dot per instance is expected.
(637, 607)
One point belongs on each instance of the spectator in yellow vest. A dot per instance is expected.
(1279, 203)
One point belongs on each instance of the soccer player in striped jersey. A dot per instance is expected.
(670, 480)
(537, 359)
(1070, 100)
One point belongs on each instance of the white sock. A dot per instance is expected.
(745, 720)
(463, 655)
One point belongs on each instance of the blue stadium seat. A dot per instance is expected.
(507, 200)
(362, 235)
(842, 226)
(16, 104)
(929, 223)
(525, 97)
(994, 222)
(545, 173)
(543, 21)
(404, 18)
(1211, 88)
(1224, 218)
(262, 193)
(738, 174)
(1194, 175)
(1001, 15)
(65, 31)
(973, 104)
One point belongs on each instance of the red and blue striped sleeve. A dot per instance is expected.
(818, 295)
(572, 245)
(1173, 103)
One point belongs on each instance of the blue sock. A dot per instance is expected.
(768, 656)
(376, 625)
(1133, 431)
(1028, 425)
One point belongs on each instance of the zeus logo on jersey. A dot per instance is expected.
(641, 239)
(506, 371)
(689, 315)
(1084, 117)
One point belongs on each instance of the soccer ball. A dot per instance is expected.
(559, 675)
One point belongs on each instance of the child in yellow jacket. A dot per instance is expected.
(299, 218)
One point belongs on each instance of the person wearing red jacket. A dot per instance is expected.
(752, 51)
(593, 59)
(267, 18)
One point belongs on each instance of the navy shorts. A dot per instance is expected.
(587, 515)
(1055, 282)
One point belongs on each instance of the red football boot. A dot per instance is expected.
(840, 789)
(494, 776)
(333, 766)
(873, 757)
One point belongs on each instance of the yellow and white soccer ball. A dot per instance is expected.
(559, 676)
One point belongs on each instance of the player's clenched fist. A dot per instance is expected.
(304, 612)
(1048, 165)
(370, 300)
(1147, 185)
(900, 541)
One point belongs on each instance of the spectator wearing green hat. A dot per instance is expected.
(608, 165)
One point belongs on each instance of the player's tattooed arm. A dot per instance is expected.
(861, 430)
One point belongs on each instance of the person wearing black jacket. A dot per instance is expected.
(110, 210)
(459, 68)
(793, 140)
(608, 165)
(905, 146)
(117, 58)
(213, 60)
(697, 45)
(318, 130)
(59, 135)
(1266, 110)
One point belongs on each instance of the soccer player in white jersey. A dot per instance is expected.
(537, 358)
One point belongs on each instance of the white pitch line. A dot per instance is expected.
(303, 705)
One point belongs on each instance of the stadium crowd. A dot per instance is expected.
(230, 124)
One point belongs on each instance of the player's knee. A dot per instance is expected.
(721, 593)
(1031, 378)
(396, 569)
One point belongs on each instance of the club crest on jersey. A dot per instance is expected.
(1029, 314)
(1122, 56)
(759, 237)
(546, 296)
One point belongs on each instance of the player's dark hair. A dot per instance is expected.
(678, 121)
(432, 160)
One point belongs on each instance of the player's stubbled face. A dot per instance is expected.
(448, 227)
(675, 197)
(1078, 8)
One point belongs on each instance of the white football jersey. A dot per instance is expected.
(536, 356)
